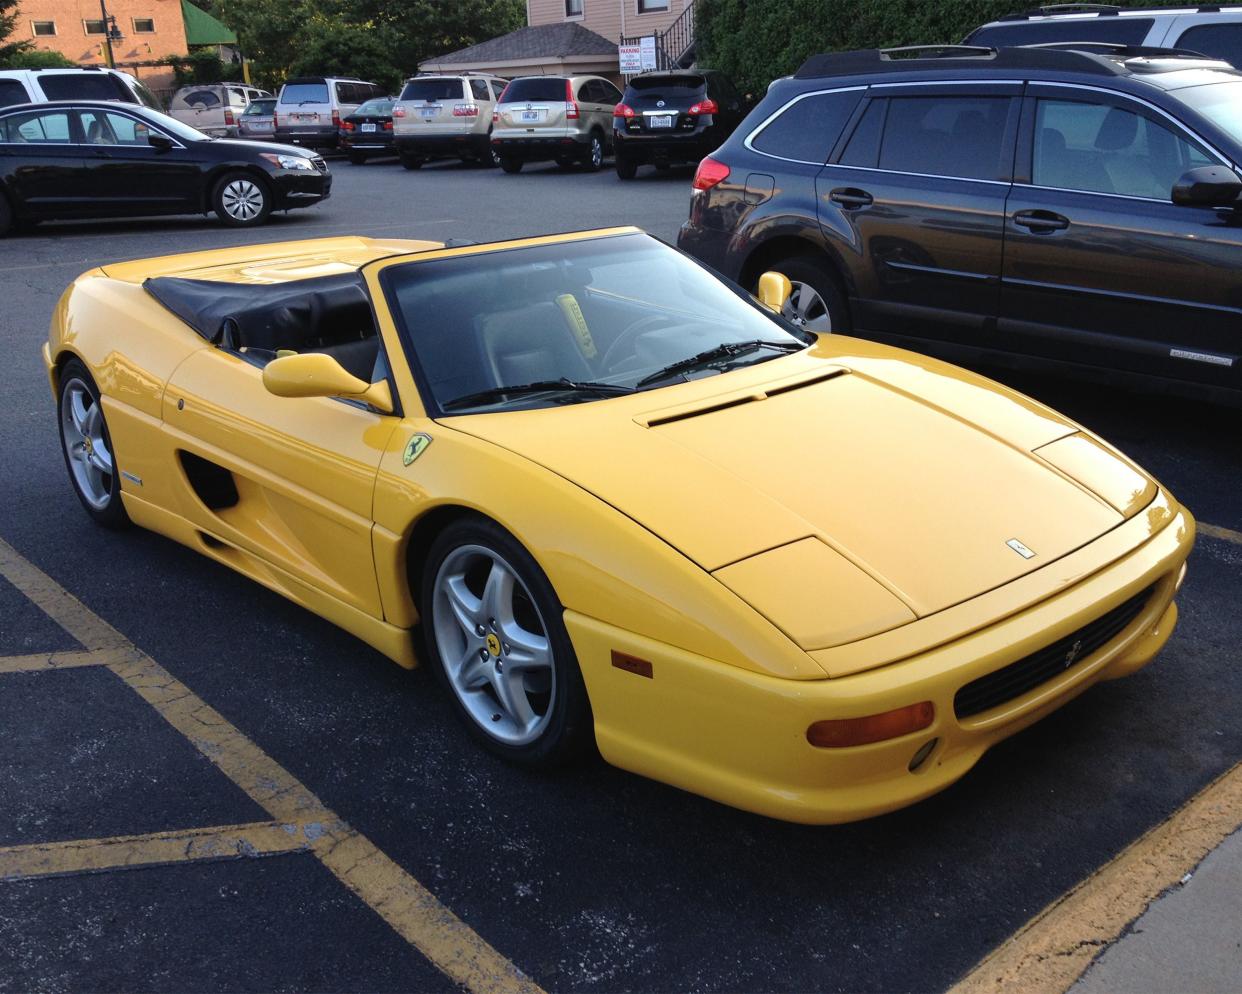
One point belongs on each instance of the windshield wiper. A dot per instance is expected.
(563, 385)
(724, 351)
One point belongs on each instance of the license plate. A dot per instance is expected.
(531, 115)
(661, 122)
(305, 118)
(429, 111)
(367, 127)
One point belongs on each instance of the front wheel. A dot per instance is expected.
(87, 447)
(357, 159)
(412, 162)
(498, 643)
(242, 200)
(816, 303)
(510, 164)
(594, 157)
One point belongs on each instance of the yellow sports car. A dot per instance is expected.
(813, 577)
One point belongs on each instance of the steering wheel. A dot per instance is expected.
(627, 337)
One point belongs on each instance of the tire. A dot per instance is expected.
(490, 157)
(242, 200)
(517, 685)
(807, 273)
(593, 157)
(6, 216)
(510, 164)
(412, 162)
(357, 159)
(626, 168)
(87, 447)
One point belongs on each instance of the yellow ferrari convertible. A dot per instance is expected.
(626, 504)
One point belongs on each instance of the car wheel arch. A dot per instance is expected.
(772, 251)
(221, 170)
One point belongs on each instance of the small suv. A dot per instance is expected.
(672, 117)
(36, 86)
(1068, 206)
(310, 109)
(214, 109)
(567, 119)
(446, 117)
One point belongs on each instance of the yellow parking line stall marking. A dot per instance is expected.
(58, 859)
(36, 661)
(1216, 531)
(409, 908)
(1053, 950)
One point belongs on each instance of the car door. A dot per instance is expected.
(1100, 266)
(42, 157)
(916, 201)
(126, 174)
(287, 481)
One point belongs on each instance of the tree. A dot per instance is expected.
(9, 50)
(38, 58)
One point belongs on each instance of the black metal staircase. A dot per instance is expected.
(675, 45)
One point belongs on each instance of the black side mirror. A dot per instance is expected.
(162, 143)
(1207, 186)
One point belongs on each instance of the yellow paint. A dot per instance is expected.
(58, 660)
(1051, 952)
(813, 537)
(411, 910)
(1226, 534)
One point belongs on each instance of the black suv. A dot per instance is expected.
(673, 117)
(1072, 204)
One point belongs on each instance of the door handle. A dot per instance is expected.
(851, 198)
(1041, 222)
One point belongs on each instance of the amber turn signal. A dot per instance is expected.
(837, 733)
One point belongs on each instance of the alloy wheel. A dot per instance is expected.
(806, 308)
(242, 200)
(86, 444)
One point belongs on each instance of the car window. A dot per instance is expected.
(304, 93)
(107, 128)
(479, 89)
(498, 87)
(201, 99)
(807, 129)
(586, 92)
(260, 108)
(81, 86)
(378, 108)
(432, 89)
(939, 135)
(12, 92)
(863, 148)
(145, 96)
(238, 97)
(37, 128)
(1221, 41)
(1119, 30)
(532, 88)
(1100, 148)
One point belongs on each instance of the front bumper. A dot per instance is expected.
(739, 736)
(298, 188)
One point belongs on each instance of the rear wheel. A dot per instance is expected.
(357, 158)
(816, 302)
(510, 164)
(491, 155)
(242, 200)
(6, 216)
(593, 158)
(412, 162)
(87, 447)
(626, 168)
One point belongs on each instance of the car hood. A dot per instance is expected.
(914, 476)
(253, 147)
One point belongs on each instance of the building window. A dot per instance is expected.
(652, 6)
(43, 28)
(94, 27)
(573, 8)
(144, 26)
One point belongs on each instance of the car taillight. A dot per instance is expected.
(336, 118)
(275, 120)
(709, 173)
(348, 126)
(495, 117)
(388, 125)
(571, 108)
(707, 106)
(398, 111)
(228, 117)
(465, 110)
(624, 110)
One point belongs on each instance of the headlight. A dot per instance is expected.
(289, 161)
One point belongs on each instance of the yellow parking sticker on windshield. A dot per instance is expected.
(577, 323)
(415, 448)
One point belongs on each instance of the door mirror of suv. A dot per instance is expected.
(161, 143)
(1207, 186)
(774, 291)
(314, 374)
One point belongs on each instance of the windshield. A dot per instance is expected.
(304, 93)
(377, 108)
(605, 314)
(535, 88)
(432, 89)
(176, 128)
(1220, 103)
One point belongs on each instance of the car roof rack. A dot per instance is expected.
(1125, 51)
(1108, 10)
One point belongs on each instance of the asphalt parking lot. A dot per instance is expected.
(376, 848)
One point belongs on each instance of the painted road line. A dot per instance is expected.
(400, 900)
(1216, 531)
(1054, 949)
(60, 660)
(59, 859)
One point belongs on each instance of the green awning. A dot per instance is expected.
(203, 29)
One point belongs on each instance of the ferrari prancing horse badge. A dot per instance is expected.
(415, 447)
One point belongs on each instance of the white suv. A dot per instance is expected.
(446, 117)
(36, 86)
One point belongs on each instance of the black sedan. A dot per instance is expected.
(85, 159)
(367, 132)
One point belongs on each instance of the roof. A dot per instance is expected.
(543, 41)
(203, 29)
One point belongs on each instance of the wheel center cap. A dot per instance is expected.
(87, 444)
(493, 644)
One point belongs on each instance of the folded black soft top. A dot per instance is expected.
(271, 316)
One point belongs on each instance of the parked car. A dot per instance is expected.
(1214, 30)
(567, 119)
(1068, 207)
(367, 132)
(310, 109)
(80, 159)
(258, 119)
(214, 109)
(446, 117)
(36, 86)
(666, 118)
(631, 509)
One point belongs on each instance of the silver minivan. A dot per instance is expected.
(310, 109)
(213, 109)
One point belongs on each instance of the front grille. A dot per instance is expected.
(320, 163)
(1041, 666)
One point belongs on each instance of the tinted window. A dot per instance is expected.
(611, 95)
(261, 108)
(304, 93)
(945, 136)
(12, 92)
(1103, 149)
(808, 128)
(380, 108)
(535, 88)
(479, 89)
(864, 144)
(200, 98)
(432, 89)
(145, 96)
(38, 128)
(1121, 30)
(676, 91)
(346, 93)
(106, 128)
(81, 86)
(1221, 41)
(1220, 103)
